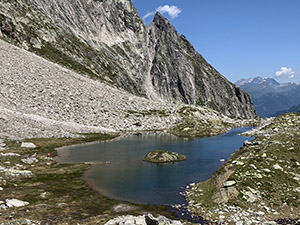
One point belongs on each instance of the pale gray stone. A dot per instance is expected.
(15, 203)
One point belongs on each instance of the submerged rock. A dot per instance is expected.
(160, 156)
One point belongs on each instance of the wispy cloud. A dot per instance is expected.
(148, 14)
(173, 11)
(285, 72)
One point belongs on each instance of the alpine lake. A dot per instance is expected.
(119, 172)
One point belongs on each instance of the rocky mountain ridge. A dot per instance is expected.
(270, 96)
(41, 99)
(108, 40)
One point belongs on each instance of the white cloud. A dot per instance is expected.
(173, 11)
(285, 72)
(148, 14)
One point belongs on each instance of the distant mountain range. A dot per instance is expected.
(269, 96)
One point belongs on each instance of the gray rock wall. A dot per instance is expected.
(108, 40)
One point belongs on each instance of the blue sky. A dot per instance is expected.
(240, 38)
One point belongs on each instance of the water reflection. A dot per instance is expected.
(127, 177)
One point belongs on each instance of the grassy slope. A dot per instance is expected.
(256, 168)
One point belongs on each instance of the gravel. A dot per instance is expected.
(41, 99)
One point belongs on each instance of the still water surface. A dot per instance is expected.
(123, 175)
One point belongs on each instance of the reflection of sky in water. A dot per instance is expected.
(128, 177)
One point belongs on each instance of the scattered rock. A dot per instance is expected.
(251, 195)
(142, 220)
(18, 173)
(297, 189)
(29, 160)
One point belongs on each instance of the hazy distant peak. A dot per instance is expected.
(257, 80)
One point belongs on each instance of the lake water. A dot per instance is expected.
(121, 173)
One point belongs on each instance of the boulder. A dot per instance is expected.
(160, 156)
(224, 195)
(15, 203)
(229, 183)
(6, 27)
(277, 167)
(28, 145)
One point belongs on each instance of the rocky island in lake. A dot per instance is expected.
(160, 156)
(78, 71)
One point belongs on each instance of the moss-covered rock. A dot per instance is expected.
(160, 156)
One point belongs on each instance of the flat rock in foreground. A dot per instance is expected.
(160, 156)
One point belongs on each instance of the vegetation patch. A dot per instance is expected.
(56, 192)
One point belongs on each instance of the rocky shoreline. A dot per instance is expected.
(260, 183)
(37, 190)
(224, 213)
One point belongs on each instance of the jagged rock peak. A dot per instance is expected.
(108, 39)
(159, 19)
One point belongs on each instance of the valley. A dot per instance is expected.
(89, 71)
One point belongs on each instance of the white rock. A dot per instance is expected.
(297, 189)
(18, 173)
(2, 145)
(140, 220)
(229, 183)
(15, 203)
(9, 154)
(28, 145)
(266, 170)
(240, 163)
(277, 167)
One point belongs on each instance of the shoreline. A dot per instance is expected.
(178, 212)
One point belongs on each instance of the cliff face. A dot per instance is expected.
(107, 39)
(180, 73)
